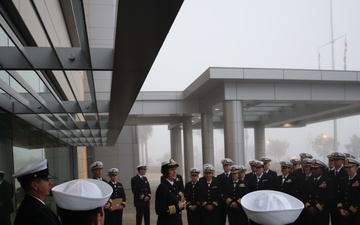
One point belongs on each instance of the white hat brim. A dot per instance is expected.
(275, 216)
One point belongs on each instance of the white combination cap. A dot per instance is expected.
(96, 165)
(227, 161)
(113, 171)
(32, 171)
(142, 166)
(82, 194)
(208, 168)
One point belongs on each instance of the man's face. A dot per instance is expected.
(113, 177)
(338, 163)
(285, 171)
(266, 166)
(208, 176)
(307, 169)
(226, 168)
(194, 178)
(242, 175)
(142, 172)
(259, 171)
(97, 173)
(351, 170)
(42, 187)
(235, 176)
(253, 168)
(331, 163)
(316, 171)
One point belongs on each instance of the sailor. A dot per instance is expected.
(35, 180)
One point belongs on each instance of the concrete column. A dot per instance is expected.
(259, 137)
(188, 149)
(207, 138)
(234, 131)
(176, 147)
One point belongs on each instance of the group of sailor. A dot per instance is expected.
(330, 192)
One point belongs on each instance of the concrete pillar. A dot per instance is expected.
(234, 131)
(176, 147)
(207, 138)
(259, 137)
(188, 149)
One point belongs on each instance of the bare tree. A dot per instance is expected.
(276, 148)
(323, 145)
(354, 146)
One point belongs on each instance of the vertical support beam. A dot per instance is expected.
(176, 147)
(234, 131)
(259, 137)
(207, 138)
(188, 148)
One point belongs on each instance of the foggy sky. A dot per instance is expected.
(258, 34)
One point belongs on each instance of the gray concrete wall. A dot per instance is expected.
(124, 156)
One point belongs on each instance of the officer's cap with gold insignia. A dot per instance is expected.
(307, 162)
(318, 164)
(113, 171)
(265, 160)
(237, 169)
(208, 168)
(286, 165)
(208, 164)
(259, 164)
(82, 194)
(349, 162)
(305, 155)
(96, 165)
(295, 161)
(252, 162)
(227, 161)
(349, 155)
(242, 168)
(142, 167)
(32, 171)
(194, 171)
(169, 163)
(337, 155)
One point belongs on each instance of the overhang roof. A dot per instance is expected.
(141, 27)
(270, 98)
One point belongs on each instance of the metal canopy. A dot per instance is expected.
(140, 28)
(271, 98)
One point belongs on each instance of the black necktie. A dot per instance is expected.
(227, 175)
(336, 172)
(316, 180)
